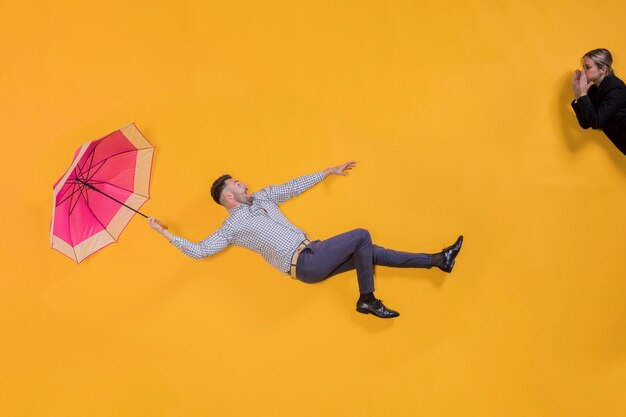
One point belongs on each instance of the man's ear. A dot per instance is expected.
(227, 195)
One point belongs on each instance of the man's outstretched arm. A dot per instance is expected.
(281, 193)
(207, 247)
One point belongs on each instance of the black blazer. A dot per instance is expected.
(604, 108)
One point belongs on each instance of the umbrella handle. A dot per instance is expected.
(160, 223)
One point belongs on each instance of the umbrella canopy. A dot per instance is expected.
(107, 182)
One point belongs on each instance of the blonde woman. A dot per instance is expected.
(600, 97)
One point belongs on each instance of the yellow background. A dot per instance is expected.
(458, 115)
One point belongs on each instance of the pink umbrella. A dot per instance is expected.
(106, 184)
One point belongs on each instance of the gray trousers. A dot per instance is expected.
(352, 250)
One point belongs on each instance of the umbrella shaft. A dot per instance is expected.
(112, 198)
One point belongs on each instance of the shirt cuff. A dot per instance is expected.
(177, 241)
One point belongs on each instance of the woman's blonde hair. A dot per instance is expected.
(602, 58)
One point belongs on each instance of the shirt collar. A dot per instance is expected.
(240, 207)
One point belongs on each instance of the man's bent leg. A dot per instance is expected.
(350, 250)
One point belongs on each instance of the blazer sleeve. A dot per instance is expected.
(582, 119)
(596, 116)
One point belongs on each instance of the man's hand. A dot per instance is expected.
(341, 169)
(160, 227)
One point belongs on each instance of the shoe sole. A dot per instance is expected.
(367, 312)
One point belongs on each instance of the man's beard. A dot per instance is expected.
(245, 199)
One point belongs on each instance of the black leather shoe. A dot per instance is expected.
(376, 308)
(449, 254)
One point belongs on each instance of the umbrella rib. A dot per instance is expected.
(98, 220)
(64, 191)
(85, 173)
(69, 196)
(90, 181)
(79, 168)
(88, 172)
(70, 229)
(75, 202)
(117, 154)
(89, 164)
(88, 175)
(88, 160)
(122, 188)
(70, 213)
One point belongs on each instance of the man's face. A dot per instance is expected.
(238, 190)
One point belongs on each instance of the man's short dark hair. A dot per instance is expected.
(218, 186)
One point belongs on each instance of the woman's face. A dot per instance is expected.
(592, 71)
